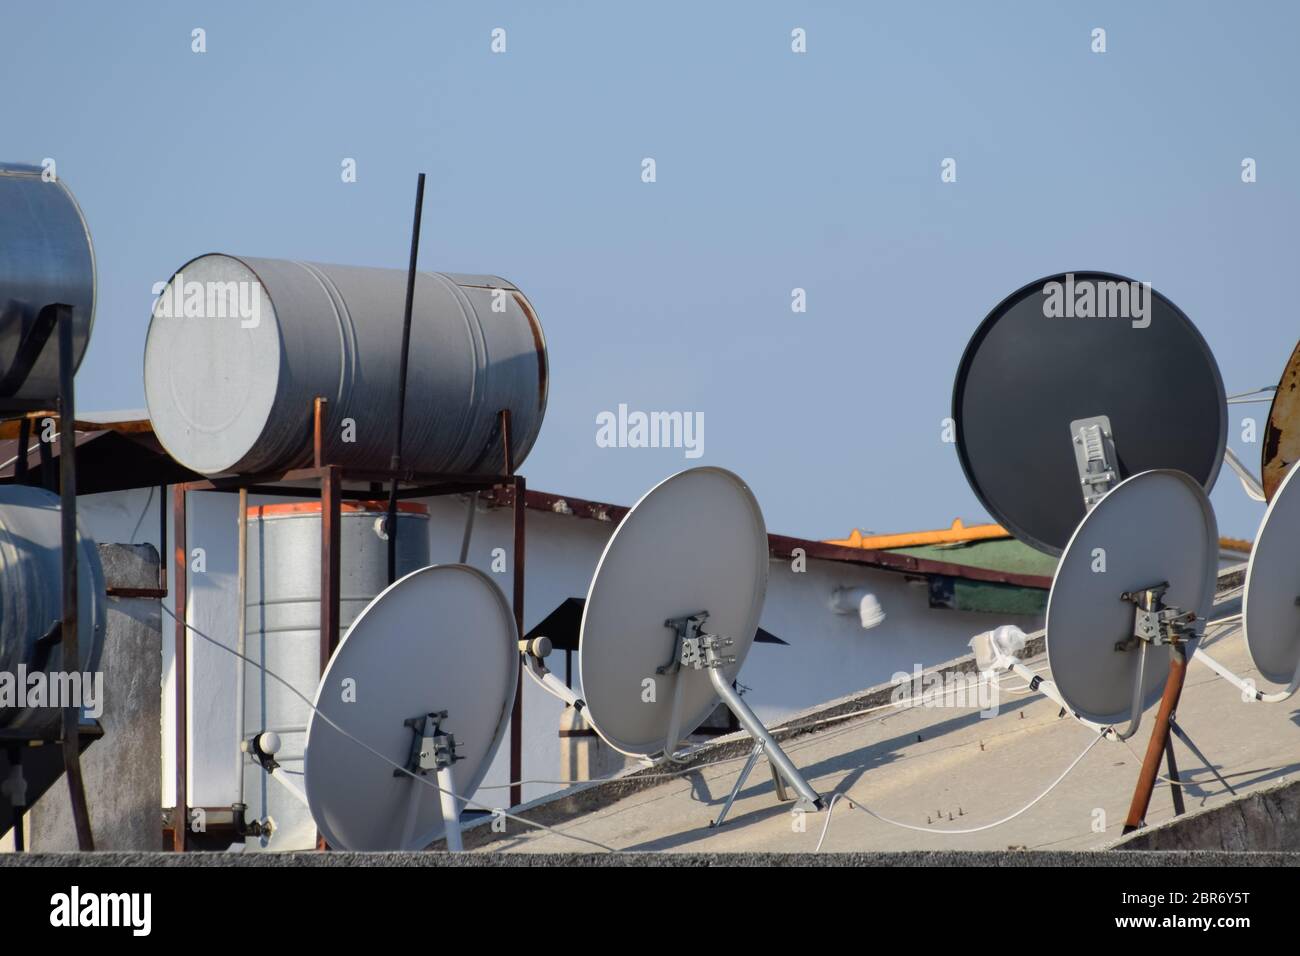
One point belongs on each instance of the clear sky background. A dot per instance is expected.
(775, 171)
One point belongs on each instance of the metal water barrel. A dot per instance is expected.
(45, 257)
(282, 631)
(238, 349)
(31, 603)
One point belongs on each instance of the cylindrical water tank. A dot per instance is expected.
(45, 258)
(31, 604)
(238, 349)
(283, 631)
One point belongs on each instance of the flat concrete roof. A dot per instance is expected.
(940, 767)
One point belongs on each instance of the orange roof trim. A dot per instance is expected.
(959, 533)
(910, 539)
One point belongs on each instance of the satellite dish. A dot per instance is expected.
(1282, 434)
(1052, 411)
(675, 602)
(433, 657)
(1155, 528)
(1270, 607)
(695, 541)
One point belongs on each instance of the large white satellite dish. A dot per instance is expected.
(432, 658)
(670, 615)
(1131, 593)
(1156, 528)
(696, 540)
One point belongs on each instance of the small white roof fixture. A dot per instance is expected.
(861, 602)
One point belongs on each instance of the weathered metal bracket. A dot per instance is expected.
(432, 749)
(1156, 623)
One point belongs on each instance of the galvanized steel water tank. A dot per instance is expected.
(238, 349)
(31, 603)
(45, 257)
(282, 632)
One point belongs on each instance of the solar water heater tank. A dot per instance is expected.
(45, 258)
(238, 348)
(31, 608)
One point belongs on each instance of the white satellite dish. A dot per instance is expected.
(674, 607)
(427, 671)
(1144, 557)
(1131, 593)
(1270, 607)
(1134, 585)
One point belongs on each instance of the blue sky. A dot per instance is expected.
(774, 171)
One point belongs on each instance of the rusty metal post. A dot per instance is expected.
(1137, 810)
(517, 715)
(320, 409)
(241, 643)
(180, 600)
(517, 500)
(69, 652)
(162, 539)
(330, 515)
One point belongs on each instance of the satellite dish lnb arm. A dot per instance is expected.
(1245, 686)
(1247, 478)
(283, 781)
(1139, 685)
(262, 748)
(533, 652)
(995, 654)
(1040, 684)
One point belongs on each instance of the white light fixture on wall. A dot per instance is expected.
(858, 601)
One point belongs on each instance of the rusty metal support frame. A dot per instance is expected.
(328, 481)
(518, 503)
(180, 613)
(69, 651)
(56, 319)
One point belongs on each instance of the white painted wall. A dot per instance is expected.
(829, 655)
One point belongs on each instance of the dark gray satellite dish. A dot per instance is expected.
(1059, 397)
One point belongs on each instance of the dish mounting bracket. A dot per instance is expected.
(697, 649)
(432, 749)
(1155, 622)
